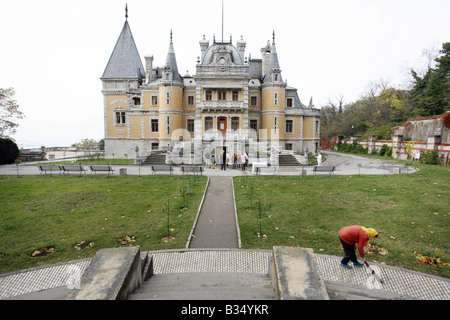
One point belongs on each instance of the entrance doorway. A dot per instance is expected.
(222, 124)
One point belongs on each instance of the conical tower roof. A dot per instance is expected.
(125, 62)
(273, 62)
(171, 61)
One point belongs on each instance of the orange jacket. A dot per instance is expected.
(354, 234)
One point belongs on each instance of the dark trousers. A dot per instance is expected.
(349, 252)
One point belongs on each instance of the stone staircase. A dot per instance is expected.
(155, 159)
(206, 286)
(287, 160)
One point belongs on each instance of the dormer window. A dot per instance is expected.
(136, 101)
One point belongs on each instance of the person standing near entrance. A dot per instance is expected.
(223, 165)
(244, 160)
(319, 159)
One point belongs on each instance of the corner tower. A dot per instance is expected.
(121, 80)
(273, 95)
(171, 98)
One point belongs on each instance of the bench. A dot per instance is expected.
(163, 168)
(192, 169)
(76, 168)
(50, 168)
(268, 170)
(103, 168)
(329, 169)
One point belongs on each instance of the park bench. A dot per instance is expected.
(101, 168)
(267, 170)
(49, 168)
(162, 168)
(329, 169)
(192, 169)
(76, 168)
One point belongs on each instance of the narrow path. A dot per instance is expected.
(216, 225)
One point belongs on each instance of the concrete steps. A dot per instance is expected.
(206, 286)
(287, 160)
(155, 159)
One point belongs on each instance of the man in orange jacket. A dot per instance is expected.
(351, 235)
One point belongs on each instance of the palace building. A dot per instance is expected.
(232, 101)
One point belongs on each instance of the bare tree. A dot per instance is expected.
(9, 112)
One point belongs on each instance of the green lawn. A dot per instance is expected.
(60, 212)
(411, 211)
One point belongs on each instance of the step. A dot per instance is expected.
(206, 286)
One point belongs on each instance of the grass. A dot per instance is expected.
(411, 212)
(62, 211)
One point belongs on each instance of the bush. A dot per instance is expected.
(430, 157)
(384, 149)
(9, 151)
(389, 152)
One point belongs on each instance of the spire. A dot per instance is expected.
(273, 66)
(171, 50)
(171, 61)
(126, 11)
(125, 62)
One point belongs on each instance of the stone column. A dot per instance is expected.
(371, 143)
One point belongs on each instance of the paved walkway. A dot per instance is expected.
(216, 226)
(345, 165)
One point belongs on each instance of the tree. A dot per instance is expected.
(430, 94)
(9, 112)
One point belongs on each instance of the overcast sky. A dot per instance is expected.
(53, 52)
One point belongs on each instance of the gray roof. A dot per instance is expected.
(125, 62)
(171, 62)
(235, 55)
(273, 64)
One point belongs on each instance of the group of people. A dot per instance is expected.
(237, 160)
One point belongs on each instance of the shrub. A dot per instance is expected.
(384, 149)
(9, 151)
(430, 157)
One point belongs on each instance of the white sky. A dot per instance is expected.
(53, 52)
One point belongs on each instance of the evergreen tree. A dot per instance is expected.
(431, 94)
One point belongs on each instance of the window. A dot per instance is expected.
(254, 124)
(208, 95)
(289, 102)
(288, 146)
(155, 146)
(137, 101)
(190, 101)
(235, 123)
(190, 125)
(168, 125)
(275, 99)
(289, 126)
(275, 125)
(235, 95)
(120, 118)
(317, 126)
(208, 123)
(253, 101)
(154, 100)
(154, 126)
(222, 95)
(168, 98)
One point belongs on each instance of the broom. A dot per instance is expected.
(373, 272)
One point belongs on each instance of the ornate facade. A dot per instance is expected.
(232, 101)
